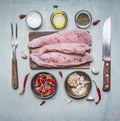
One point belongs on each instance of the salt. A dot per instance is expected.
(34, 19)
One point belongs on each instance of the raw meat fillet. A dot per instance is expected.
(71, 48)
(70, 36)
(58, 59)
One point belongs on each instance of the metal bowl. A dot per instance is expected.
(85, 90)
(83, 19)
(34, 87)
(34, 19)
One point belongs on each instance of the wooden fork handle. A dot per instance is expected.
(14, 74)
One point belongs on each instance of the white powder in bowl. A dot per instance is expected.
(34, 19)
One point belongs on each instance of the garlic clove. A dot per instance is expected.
(94, 70)
(23, 55)
(90, 98)
(81, 78)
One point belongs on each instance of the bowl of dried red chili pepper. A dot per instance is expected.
(44, 85)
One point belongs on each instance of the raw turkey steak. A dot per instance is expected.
(70, 36)
(70, 48)
(58, 59)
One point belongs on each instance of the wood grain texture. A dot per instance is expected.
(14, 74)
(106, 76)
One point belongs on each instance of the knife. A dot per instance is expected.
(106, 54)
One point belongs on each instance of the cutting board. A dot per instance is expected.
(33, 35)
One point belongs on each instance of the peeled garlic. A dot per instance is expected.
(23, 55)
(90, 98)
(81, 78)
(94, 70)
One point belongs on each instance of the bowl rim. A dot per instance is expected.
(36, 12)
(54, 14)
(42, 97)
(66, 85)
(85, 12)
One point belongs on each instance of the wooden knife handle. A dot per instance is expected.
(14, 74)
(106, 76)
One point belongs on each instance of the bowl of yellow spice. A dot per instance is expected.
(83, 19)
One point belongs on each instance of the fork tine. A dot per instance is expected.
(12, 30)
(16, 31)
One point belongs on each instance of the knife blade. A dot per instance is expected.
(106, 54)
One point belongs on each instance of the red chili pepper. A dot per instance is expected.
(60, 73)
(38, 82)
(22, 16)
(51, 82)
(47, 92)
(43, 102)
(98, 92)
(96, 22)
(38, 90)
(24, 84)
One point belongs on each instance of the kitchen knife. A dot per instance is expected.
(106, 54)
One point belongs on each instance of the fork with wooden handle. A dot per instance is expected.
(14, 44)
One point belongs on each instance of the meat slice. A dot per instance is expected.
(71, 48)
(69, 36)
(58, 59)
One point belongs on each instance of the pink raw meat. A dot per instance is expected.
(71, 48)
(58, 59)
(70, 36)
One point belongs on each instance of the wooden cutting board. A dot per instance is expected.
(33, 65)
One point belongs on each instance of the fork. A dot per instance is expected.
(14, 44)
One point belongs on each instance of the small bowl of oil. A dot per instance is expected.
(83, 19)
(59, 19)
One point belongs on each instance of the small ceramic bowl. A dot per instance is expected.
(34, 19)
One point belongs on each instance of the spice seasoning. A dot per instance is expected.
(22, 16)
(83, 19)
(99, 95)
(43, 102)
(34, 19)
(60, 73)
(98, 92)
(96, 22)
(44, 85)
(24, 84)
